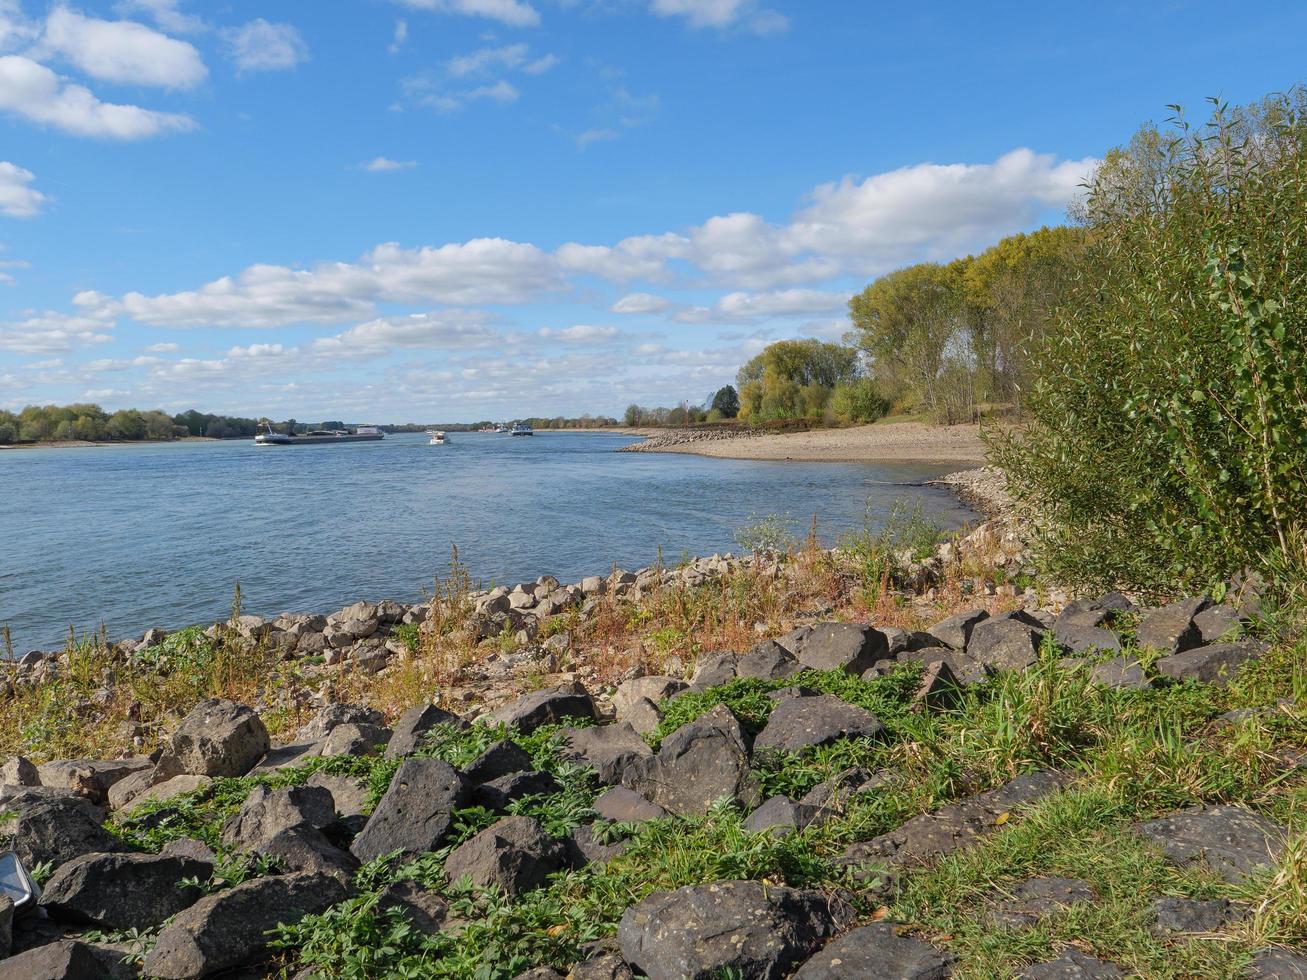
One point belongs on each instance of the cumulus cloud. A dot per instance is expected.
(121, 51)
(579, 334)
(442, 330)
(34, 91)
(166, 13)
(262, 46)
(54, 333)
(594, 136)
(745, 14)
(399, 38)
(380, 165)
(18, 199)
(163, 348)
(483, 270)
(634, 303)
(740, 306)
(514, 13)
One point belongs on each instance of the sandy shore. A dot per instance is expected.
(891, 442)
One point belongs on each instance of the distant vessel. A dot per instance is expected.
(437, 437)
(318, 437)
(488, 428)
(522, 429)
(501, 429)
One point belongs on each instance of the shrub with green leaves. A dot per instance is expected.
(1167, 446)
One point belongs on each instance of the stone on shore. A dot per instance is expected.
(842, 646)
(122, 891)
(512, 856)
(550, 706)
(218, 738)
(805, 722)
(698, 764)
(1231, 841)
(876, 952)
(406, 737)
(415, 813)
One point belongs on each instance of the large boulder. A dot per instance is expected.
(1231, 841)
(122, 891)
(702, 931)
(781, 815)
(65, 959)
(767, 661)
(499, 759)
(230, 928)
(955, 632)
(18, 771)
(425, 910)
(699, 763)
(1005, 642)
(876, 952)
(1171, 629)
(512, 856)
(655, 688)
(1216, 663)
(329, 717)
(622, 805)
(549, 706)
(416, 812)
(90, 778)
(607, 749)
(58, 829)
(266, 813)
(218, 738)
(407, 735)
(842, 646)
(497, 794)
(800, 723)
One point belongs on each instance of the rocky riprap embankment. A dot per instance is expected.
(319, 832)
(683, 437)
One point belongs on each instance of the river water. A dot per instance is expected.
(157, 535)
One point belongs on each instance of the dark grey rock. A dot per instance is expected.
(499, 759)
(1083, 613)
(1083, 639)
(1218, 623)
(1278, 964)
(696, 765)
(606, 967)
(307, 849)
(58, 829)
(800, 723)
(833, 795)
(424, 909)
(713, 669)
(218, 738)
(655, 688)
(65, 959)
(349, 795)
(953, 827)
(352, 739)
(1034, 898)
(622, 805)
(416, 812)
(696, 932)
(1230, 840)
(842, 646)
(1216, 663)
(122, 891)
(333, 715)
(1005, 643)
(1120, 672)
(1190, 915)
(939, 689)
(497, 794)
(1072, 965)
(1171, 629)
(230, 928)
(89, 777)
(955, 632)
(876, 952)
(607, 749)
(585, 847)
(189, 847)
(413, 724)
(513, 855)
(781, 815)
(266, 813)
(767, 661)
(793, 691)
(18, 771)
(545, 707)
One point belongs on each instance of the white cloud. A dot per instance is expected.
(501, 91)
(165, 13)
(442, 330)
(379, 165)
(753, 306)
(401, 36)
(483, 270)
(635, 303)
(595, 136)
(34, 91)
(17, 198)
(54, 333)
(121, 51)
(261, 46)
(485, 60)
(163, 348)
(15, 27)
(514, 13)
(638, 257)
(579, 334)
(542, 64)
(745, 14)
(427, 92)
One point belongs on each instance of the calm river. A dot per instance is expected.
(157, 535)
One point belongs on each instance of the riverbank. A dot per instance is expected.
(107, 443)
(895, 442)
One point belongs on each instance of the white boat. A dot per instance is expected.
(522, 429)
(437, 437)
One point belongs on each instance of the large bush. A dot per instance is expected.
(1167, 446)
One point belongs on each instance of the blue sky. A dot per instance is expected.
(444, 210)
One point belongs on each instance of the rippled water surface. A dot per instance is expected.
(157, 535)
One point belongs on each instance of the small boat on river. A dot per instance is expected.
(522, 429)
(437, 437)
